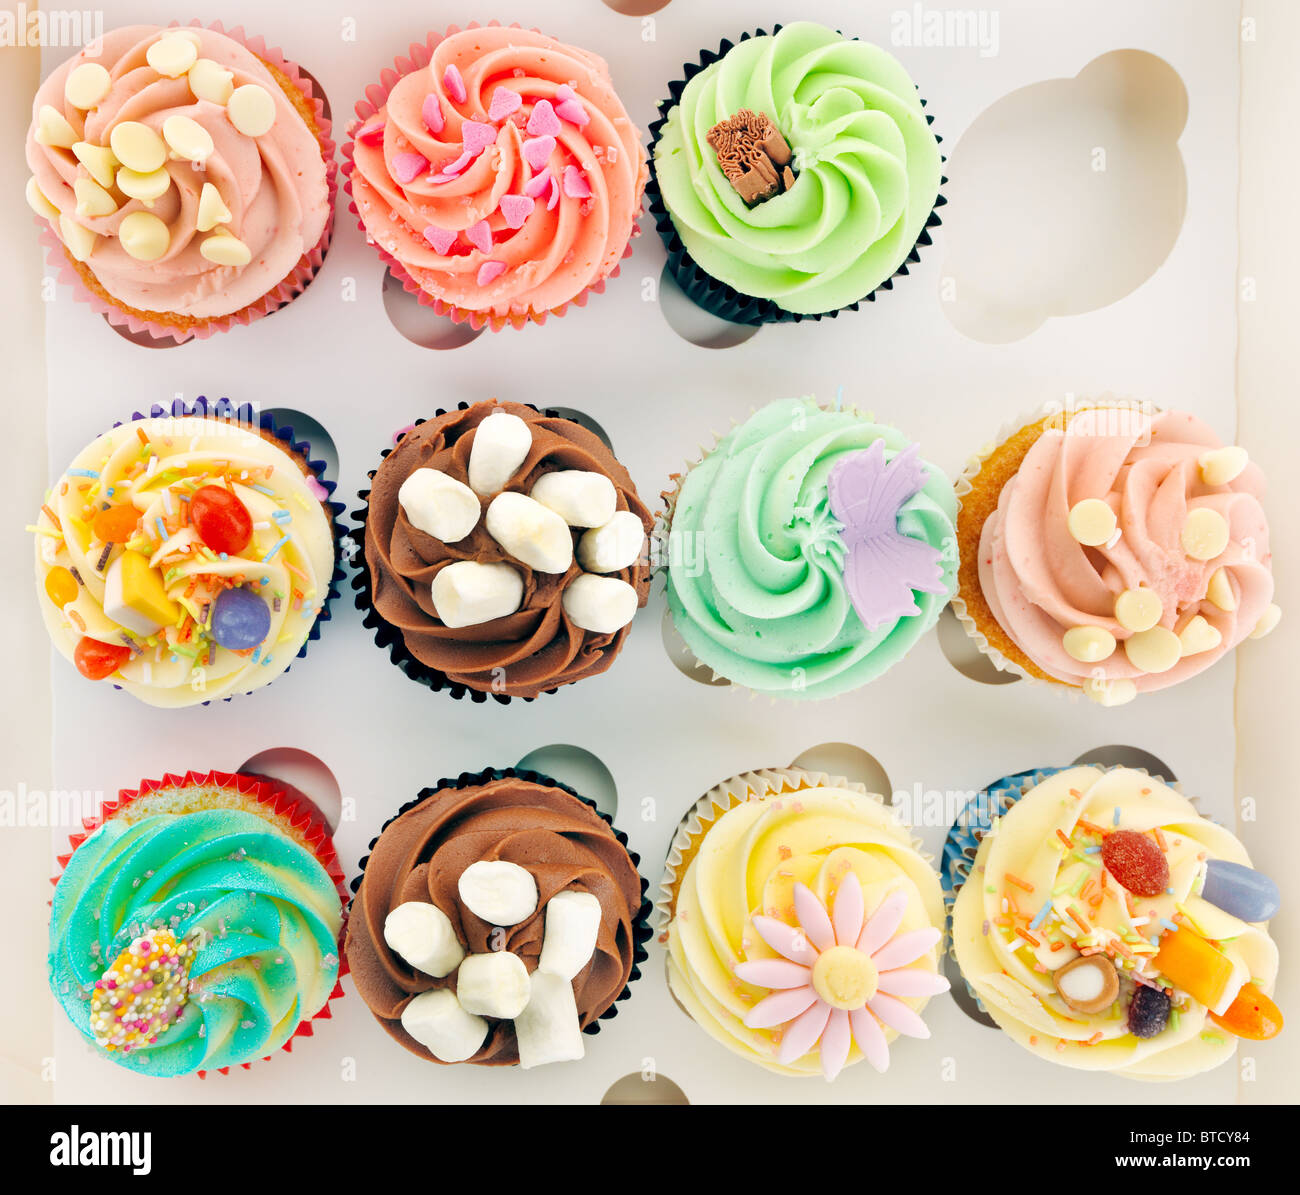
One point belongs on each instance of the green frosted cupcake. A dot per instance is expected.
(793, 174)
(809, 551)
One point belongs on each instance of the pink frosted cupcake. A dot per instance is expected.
(497, 173)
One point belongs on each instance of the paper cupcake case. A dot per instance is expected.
(418, 56)
(717, 297)
(288, 289)
(282, 804)
(641, 927)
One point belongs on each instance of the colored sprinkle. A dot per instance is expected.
(1041, 916)
(83, 473)
(1065, 838)
(1019, 883)
(283, 540)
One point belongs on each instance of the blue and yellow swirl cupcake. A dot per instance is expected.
(196, 927)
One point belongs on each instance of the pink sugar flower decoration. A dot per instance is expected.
(408, 167)
(840, 977)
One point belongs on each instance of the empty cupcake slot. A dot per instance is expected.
(303, 772)
(849, 761)
(960, 651)
(683, 659)
(961, 994)
(422, 325)
(305, 427)
(641, 1088)
(580, 770)
(1066, 196)
(582, 419)
(693, 323)
(1121, 756)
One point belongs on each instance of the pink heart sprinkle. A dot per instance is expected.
(407, 167)
(573, 112)
(453, 84)
(431, 110)
(490, 271)
(536, 186)
(480, 236)
(454, 168)
(538, 150)
(555, 195)
(372, 134)
(477, 136)
(516, 209)
(543, 122)
(441, 239)
(575, 184)
(564, 92)
(504, 101)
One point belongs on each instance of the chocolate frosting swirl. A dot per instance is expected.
(538, 647)
(419, 856)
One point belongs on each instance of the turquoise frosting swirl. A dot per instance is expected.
(756, 560)
(867, 166)
(259, 912)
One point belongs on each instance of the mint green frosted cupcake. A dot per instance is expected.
(793, 175)
(809, 551)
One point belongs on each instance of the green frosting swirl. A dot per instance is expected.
(755, 558)
(259, 914)
(868, 169)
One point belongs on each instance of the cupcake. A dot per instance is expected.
(497, 919)
(187, 557)
(1113, 551)
(186, 177)
(497, 173)
(195, 925)
(803, 925)
(792, 175)
(808, 551)
(504, 552)
(1105, 925)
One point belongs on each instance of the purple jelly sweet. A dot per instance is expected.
(240, 619)
(1247, 894)
(1148, 1011)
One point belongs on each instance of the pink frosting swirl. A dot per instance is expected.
(505, 176)
(1039, 582)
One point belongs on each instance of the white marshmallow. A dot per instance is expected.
(500, 893)
(115, 606)
(572, 927)
(580, 498)
(548, 1030)
(601, 604)
(613, 546)
(437, 1021)
(530, 532)
(493, 985)
(423, 935)
(468, 593)
(501, 444)
(439, 505)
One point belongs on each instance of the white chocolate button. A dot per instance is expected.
(1154, 650)
(422, 934)
(1138, 609)
(581, 498)
(80, 241)
(53, 129)
(92, 199)
(137, 146)
(188, 139)
(1199, 635)
(614, 546)
(498, 892)
(251, 110)
(222, 248)
(39, 204)
(1119, 691)
(172, 54)
(1091, 522)
(87, 85)
(1222, 465)
(493, 985)
(147, 188)
(1268, 620)
(143, 236)
(1088, 645)
(1219, 590)
(211, 81)
(501, 444)
(530, 532)
(437, 504)
(1205, 534)
(436, 1020)
(98, 159)
(467, 593)
(212, 209)
(600, 604)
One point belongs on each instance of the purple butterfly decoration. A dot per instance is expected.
(883, 566)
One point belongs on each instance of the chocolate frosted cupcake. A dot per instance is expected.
(497, 918)
(504, 552)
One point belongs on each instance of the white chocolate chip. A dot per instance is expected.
(493, 985)
(1091, 522)
(1268, 620)
(143, 236)
(1088, 645)
(467, 593)
(92, 199)
(80, 241)
(1223, 465)
(600, 604)
(1154, 650)
(549, 1029)
(86, 85)
(615, 545)
(53, 129)
(1219, 591)
(1119, 691)
(137, 146)
(172, 54)
(37, 201)
(223, 248)
(1138, 609)
(502, 443)
(189, 140)
(439, 505)
(1199, 635)
(1205, 534)
(251, 110)
(212, 209)
(99, 160)
(436, 1020)
(211, 81)
(498, 892)
(530, 532)
(572, 929)
(422, 934)
(147, 188)
(581, 498)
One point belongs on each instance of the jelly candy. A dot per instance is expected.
(1148, 1011)
(1247, 894)
(116, 524)
(96, 660)
(1252, 1014)
(1136, 862)
(61, 586)
(1189, 962)
(221, 519)
(240, 619)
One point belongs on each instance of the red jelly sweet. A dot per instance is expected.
(221, 519)
(1136, 862)
(95, 660)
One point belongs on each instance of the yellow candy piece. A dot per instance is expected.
(1219, 590)
(92, 199)
(1199, 635)
(251, 110)
(172, 54)
(1205, 534)
(212, 209)
(80, 241)
(223, 249)
(143, 236)
(1156, 650)
(147, 188)
(211, 81)
(39, 204)
(1222, 465)
(61, 586)
(87, 85)
(1138, 609)
(53, 129)
(1119, 691)
(188, 139)
(1088, 645)
(1268, 620)
(134, 595)
(99, 160)
(1190, 963)
(1091, 522)
(137, 146)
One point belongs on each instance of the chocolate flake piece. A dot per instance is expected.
(753, 155)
